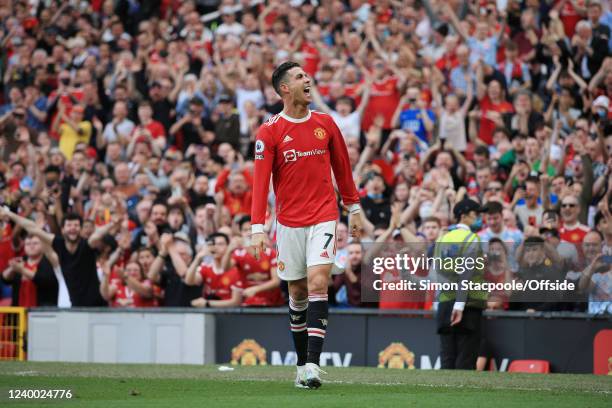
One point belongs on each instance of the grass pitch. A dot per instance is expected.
(123, 385)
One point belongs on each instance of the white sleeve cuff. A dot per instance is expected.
(354, 208)
(459, 306)
(257, 229)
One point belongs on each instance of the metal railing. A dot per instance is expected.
(13, 325)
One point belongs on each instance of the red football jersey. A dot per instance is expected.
(219, 285)
(127, 297)
(352, 91)
(383, 101)
(156, 128)
(254, 272)
(299, 154)
(27, 289)
(487, 126)
(311, 58)
(574, 235)
(124, 296)
(6, 245)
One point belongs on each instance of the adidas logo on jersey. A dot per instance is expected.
(324, 255)
(287, 139)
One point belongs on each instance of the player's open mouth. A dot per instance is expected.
(307, 90)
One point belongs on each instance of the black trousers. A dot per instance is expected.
(459, 345)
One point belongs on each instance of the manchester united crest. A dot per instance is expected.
(320, 133)
(248, 352)
(396, 355)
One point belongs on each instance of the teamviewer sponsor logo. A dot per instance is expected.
(292, 155)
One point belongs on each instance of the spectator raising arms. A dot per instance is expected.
(138, 130)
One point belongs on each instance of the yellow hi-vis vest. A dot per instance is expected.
(455, 244)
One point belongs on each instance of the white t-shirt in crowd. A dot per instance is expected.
(244, 95)
(349, 125)
(125, 127)
(452, 127)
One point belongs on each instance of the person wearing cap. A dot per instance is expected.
(459, 312)
(567, 251)
(227, 126)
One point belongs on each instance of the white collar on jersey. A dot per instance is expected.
(295, 120)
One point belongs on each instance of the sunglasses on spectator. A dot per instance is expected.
(493, 189)
(568, 205)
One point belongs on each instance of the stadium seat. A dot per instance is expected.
(529, 366)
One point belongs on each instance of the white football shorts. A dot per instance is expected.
(303, 247)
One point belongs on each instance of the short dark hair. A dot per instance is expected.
(175, 207)
(280, 73)
(160, 202)
(347, 100)
(211, 237)
(196, 101)
(199, 207)
(243, 220)
(72, 216)
(494, 207)
(534, 240)
(550, 211)
(52, 169)
(482, 151)
(152, 250)
(496, 240)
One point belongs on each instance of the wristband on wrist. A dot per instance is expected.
(354, 208)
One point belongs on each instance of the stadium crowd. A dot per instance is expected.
(127, 130)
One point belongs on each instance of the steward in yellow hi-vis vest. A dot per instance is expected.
(460, 311)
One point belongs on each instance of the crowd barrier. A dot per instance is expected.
(571, 342)
(13, 324)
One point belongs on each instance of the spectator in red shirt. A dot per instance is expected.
(32, 276)
(154, 128)
(493, 105)
(234, 192)
(222, 287)
(261, 283)
(131, 289)
(572, 230)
